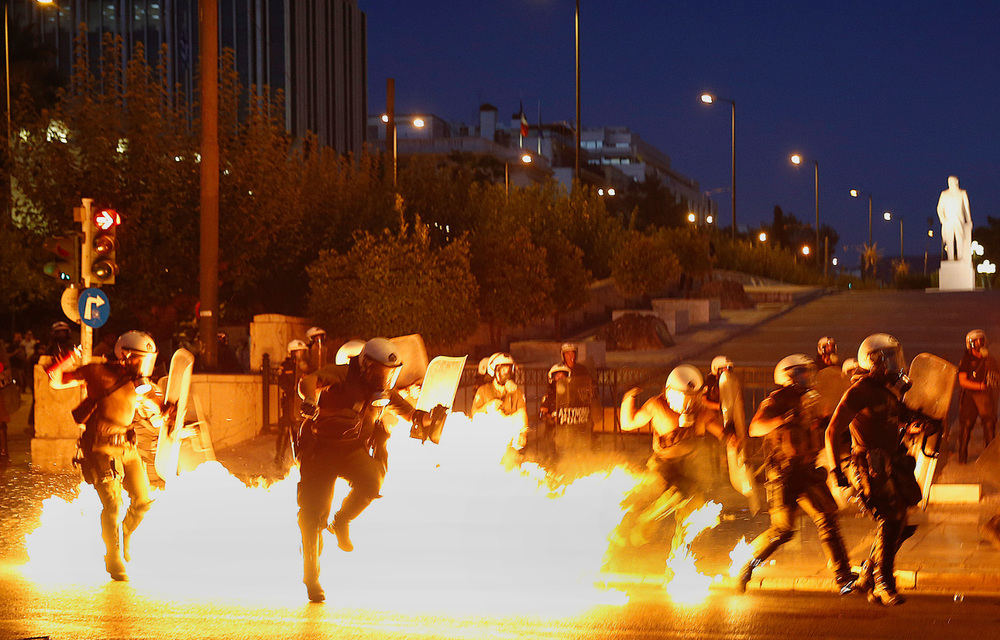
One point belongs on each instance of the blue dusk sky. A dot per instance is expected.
(889, 97)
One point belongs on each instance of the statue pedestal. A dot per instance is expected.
(956, 275)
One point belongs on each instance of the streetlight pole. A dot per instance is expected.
(577, 166)
(708, 98)
(208, 310)
(797, 160)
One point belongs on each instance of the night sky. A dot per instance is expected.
(889, 97)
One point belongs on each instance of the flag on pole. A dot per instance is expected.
(524, 121)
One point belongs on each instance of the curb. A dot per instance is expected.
(910, 581)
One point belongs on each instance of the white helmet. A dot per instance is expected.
(482, 365)
(719, 363)
(296, 345)
(683, 389)
(137, 351)
(568, 346)
(380, 364)
(850, 365)
(976, 335)
(495, 367)
(882, 353)
(348, 350)
(826, 346)
(313, 332)
(793, 370)
(558, 368)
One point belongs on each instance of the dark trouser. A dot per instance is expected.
(320, 468)
(972, 405)
(115, 468)
(802, 486)
(671, 486)
(870, 473)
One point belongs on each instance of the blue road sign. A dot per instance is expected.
(94, 307)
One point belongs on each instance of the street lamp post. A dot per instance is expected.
(887, 216)
(854, 194)
(797, 160)
(577, 30)
(708, 98)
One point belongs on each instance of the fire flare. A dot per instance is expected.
(453, 531)
(684, 583)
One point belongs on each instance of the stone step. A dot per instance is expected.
(954, 494)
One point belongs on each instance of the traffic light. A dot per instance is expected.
(101, 246)
(66, 266)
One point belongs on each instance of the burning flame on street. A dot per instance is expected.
(453, 531)
(685, 584)
(740, 556)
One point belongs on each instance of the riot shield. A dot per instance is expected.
(168, 444)
(741, 475)
(830, 384)
(934, 382)
(412, 352)
(439, 386)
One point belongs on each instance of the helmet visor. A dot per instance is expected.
(380, 376)
(140, 363)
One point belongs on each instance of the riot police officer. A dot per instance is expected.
(677, 476)
(879, 469)
(345, 437)
(117, 392)
(979, 378)
(789, 423)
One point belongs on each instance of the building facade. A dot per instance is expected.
(314, 51)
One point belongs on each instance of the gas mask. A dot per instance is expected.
(684, 404)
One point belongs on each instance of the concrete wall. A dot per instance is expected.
(701, 311)
(232, 405)
(270, 333)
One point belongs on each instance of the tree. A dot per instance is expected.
(644, 265)
(395, 283)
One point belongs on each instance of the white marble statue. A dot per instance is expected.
(956, 221)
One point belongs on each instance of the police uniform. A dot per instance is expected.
(794, 481)
(879, 470)
(347, 440)
(111, 461)
(976, 404)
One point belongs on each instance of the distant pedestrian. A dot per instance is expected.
(826, 353)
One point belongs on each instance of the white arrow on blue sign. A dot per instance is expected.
(94, 307)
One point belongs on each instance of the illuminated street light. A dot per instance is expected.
(805, 250)
(762, 236)
(525, 159)
(692, 218)
(418, 123)
(797, 160)
(834, 261)
(708, 98)
(709, 219)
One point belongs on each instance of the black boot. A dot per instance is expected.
(865, 580)
(745, 573)
(311, 549)
(114, 562)
(773, 540)
(836, 553)
(340, 527)
(887, 537)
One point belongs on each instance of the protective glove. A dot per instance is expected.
(437, 417)
(308, 409)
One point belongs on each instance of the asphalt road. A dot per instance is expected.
(116, 610)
